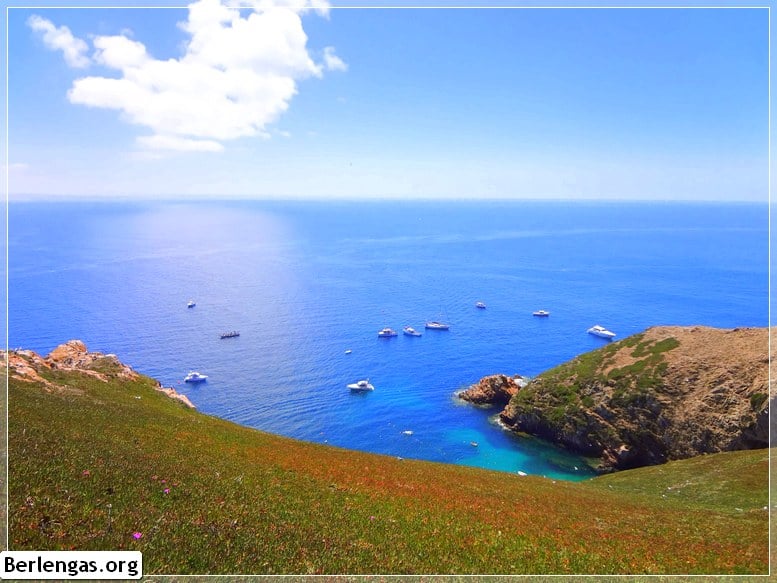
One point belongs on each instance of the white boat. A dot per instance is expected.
(233, 334)
(361, 386)
(191, 304)
(408, 331)
(349, 351)
(195, 377)
(480, 305)
(437, 326)
(601, 331)
(387, 333)
(541, 313)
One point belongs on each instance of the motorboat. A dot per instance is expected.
(195, 377)
(387, 333)
(349, 351)
(601, 331)
(437, 326)
(191, 304)
(480, 305)
(361, 386)
(408, 331)
(233, 334)
(541, 313)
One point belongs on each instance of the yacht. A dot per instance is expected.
(387, 333)
(195, 377)
(480, 305)
(191, 304)
(437, 326)
(541, 313)
(361, 386)
(408, 331)
(233, 334)
(601, 331)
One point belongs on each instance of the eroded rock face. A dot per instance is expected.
(496, 390)
(668, 393)
(68, 353)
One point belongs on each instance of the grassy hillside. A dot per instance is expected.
(117, 465)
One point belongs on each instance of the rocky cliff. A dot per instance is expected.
(668, 393)
(26, 365)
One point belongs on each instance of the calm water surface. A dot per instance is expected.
(304, 282)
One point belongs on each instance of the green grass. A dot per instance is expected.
(89, 467)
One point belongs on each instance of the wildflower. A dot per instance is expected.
(167, 490)
(372, 518)
(86, 473)
(137, 535)
(153, 477)
(163, 481)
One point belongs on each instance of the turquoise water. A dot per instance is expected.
(304, 282)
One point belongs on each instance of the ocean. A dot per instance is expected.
(305, 281)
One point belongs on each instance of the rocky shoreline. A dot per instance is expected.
(494, 390)
(73, 355)
(667, 393)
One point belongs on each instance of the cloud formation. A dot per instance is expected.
(237, 75)
(61, 39)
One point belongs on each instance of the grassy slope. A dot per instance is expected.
(242, 501)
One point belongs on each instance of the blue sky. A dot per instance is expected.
(352, 103)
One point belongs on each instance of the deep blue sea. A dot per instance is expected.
(303, 282)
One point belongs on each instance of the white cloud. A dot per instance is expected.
(332, 62)
(237, 75)
(119, 52)
(61, 39)
(179, 144)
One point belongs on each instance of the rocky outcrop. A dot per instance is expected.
(494, 390)
(668, 393)
(28, 366)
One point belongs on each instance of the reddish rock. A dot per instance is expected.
(493, 390)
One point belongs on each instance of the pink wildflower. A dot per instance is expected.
(86, 473)
(163, 481)
(167, 490)
(153, 477)
(372, 518)
(137, 535)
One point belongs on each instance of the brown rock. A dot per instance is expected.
(492, 390)
(68, 353)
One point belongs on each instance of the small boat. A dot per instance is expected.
(407, 432)
(195, 377)
(601, 332)
(408, 331)
(387, 333)
(480, 305)
(349, 351)
(541, 313)
(191, 304)
(437, 326)
(233, 334)
(473, 443)
(361, 386)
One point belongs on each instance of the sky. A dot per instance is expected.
(300, 99)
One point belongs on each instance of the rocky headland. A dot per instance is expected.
(28, 366)
(494, 390)
(667, 393)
